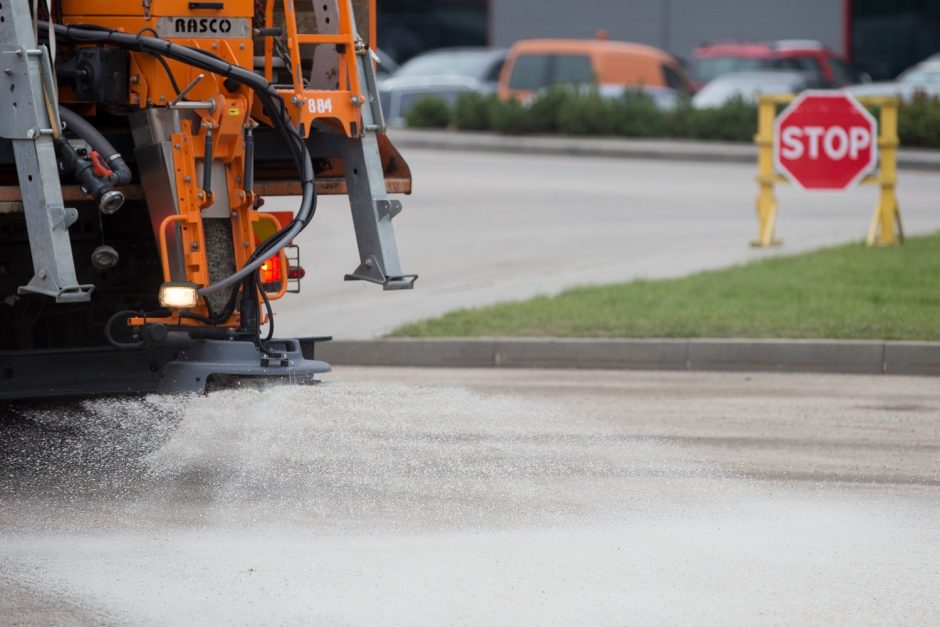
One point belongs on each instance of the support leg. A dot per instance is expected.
(886, 228)
(372, 209)
(766, 217)
(766, 177)
(25, 121)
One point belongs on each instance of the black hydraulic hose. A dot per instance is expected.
(197, 58)
(249, 175)
(127, 313)
(195, 333)
(273, 106)
(84, 129)
(267, 306)
(207, 164)
(98, 187)
(270, 312)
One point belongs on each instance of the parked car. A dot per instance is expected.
(385, 65)
(446, 73)
(807, 55)
(481, 64)
(926, 73)
(923, 78)
(398, 100)
(663, 98)
(536, 64)
(749, 85)
(710, 61)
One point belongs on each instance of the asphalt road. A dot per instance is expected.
(482, 228)
(480, 497)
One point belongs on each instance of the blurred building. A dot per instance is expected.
(409, 27)
(882, 36)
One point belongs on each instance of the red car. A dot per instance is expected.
(712, 60)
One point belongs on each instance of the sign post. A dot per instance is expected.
(826, 141)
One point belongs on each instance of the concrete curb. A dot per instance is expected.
(832, 356)
(665, 149)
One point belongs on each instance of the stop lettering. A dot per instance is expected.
(825, 141)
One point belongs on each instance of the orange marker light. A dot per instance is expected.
(271, 270)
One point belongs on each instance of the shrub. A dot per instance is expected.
(736, 120)
(475, 112)
(511, 118)
(636, 115)
(587, 114)
(581, 111)
(429, 112)
(919, 122)
(545, 108)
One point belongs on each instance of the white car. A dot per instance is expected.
(749, 85)
(923, 78)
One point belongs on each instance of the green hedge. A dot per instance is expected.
(567, 111)
(919, 122)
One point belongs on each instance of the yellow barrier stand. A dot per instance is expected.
(885, 228)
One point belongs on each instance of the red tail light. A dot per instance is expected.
(296, 273)
(271, 270)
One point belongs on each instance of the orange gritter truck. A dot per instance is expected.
(139, 140)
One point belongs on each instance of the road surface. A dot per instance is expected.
(483, 228)
(480, 497)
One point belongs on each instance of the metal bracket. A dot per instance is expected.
(388, 208)
(404, 282)
(275, 359)
(44, 283)
(372, 93)
(369, 270)
(180, 101)
(62, 217)
(292, 254)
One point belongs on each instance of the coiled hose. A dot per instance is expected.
(84, 129)
(273, 106)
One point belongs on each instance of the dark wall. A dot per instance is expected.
(408, 27)
(675, 25)
(891, 35)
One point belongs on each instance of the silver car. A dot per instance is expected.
(446, 73)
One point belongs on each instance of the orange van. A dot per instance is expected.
(535, 64)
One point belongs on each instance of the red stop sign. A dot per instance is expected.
(825, 141)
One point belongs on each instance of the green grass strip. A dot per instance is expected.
(845, 292)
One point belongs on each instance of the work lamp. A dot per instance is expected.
(178, 295)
